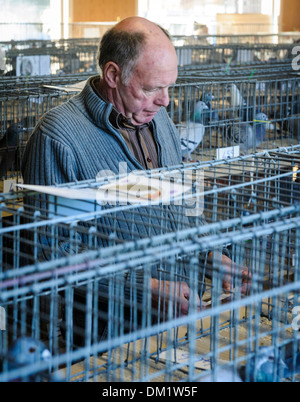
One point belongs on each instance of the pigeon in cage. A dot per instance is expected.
(9, 149)
(292, 359)
(24, 352)
(263, 367)
(200, 113)
(248, 135)
(238, 104)
(207, 98)
(192, 133)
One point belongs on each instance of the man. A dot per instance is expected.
(118, 117)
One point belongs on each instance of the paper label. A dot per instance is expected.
(228, 152)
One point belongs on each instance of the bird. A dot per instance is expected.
(207, 98)
(262, 367)
(192, 133)
(190, 138)
(26, 351)
(291, 353)
(292, 366)
(200, 113)
(249, 135)
(8, 148)
(246, 112)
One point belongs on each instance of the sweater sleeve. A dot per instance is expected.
(47, 161)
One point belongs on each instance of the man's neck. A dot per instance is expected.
(102, 90)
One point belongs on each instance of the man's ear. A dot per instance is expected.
(111, 74)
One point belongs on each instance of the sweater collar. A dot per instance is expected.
(94, 108)
(100, 110)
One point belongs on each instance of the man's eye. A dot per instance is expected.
(150, 90)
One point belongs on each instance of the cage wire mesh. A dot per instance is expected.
(34, 57)
(240, 53)
(251, 114)
(207, 192)
(242, 39)
(23, 58)
(76, 275)
(238, 70)
(142, 342)
(213, 116)
(23, 101)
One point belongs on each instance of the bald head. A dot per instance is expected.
(139, 24)
(129, 40)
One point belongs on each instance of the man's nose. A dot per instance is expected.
(162, 98)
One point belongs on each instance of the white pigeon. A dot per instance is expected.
(192, 133)
(190, 137)
(236, 99)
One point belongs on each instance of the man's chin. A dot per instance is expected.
(143, 119)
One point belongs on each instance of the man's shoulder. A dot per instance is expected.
(60, 112)
(66, 117)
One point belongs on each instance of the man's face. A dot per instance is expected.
(147, 90)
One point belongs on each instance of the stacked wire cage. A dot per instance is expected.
(77, 270)
(94, 279)
(23, 101)
(247, 106)
(219, 111)
(44, 57)
(65, 56)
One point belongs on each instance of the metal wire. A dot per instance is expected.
(235, 101)
(220, 190)
(223, 53)
(80, 55)
(75, 273)
(164, 347)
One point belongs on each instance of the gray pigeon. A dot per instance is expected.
(263, 367)
(24, 352)
(191, 137)
(238, 104)
(249, 135)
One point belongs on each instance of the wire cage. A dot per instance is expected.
(211, 114)
(44, 57)
(198, 54)
(220, 337)
(76, 275)
(41, 84)
(74, 217)
(34, 57)
(238, 70)
(23, 101)
(242, 39)
(230, 111)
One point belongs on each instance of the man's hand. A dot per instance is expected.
(231, 269)
(178, 294)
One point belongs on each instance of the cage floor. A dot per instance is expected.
(139, 361)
